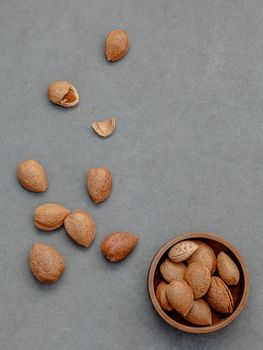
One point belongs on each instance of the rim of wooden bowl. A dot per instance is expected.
(164, 315)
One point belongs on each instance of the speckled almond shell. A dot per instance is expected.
(219, 296)
(46, 263)
(116, 45)
(204, 255)
(180, 296)
(182, 251)
(99, 184)
(50, 216)
(200, 313)
(32, 176)
(227, 269)
(118, 245)
(199, 278)
(161, 296)
(81, 227)
(171, 271)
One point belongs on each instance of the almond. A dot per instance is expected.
(99, 184)
(46, 263)
(199, 278)
(161, 296)
(104, 128)
(50, 216)
(227, 269)
(180, 296)
(182, 251)
(32, 176)
(116, 45)
(117, 245)
(63, 93)
(200, 313)
(81, 227)
(204, 255)
(172, 271)
(219, 296)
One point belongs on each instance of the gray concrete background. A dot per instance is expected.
(186, 155)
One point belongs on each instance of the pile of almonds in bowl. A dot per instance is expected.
(198, 283)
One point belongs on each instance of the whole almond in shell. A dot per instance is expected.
(172, 271)
(81, 227)
(204, 255)
(199, 278)
(118, 245)
(46, 263)
(182, 251)
(63, 93)
(200, 313)
(227, 269)
(161, 296)
(180, 296)
(32, 176)
(116, 45)
(219, 296)
(99, 184)
(50, 216)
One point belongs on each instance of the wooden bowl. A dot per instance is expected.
(239, 292)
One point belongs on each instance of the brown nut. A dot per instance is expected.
(199, 278)
(81, 227)
(219, 296)
(227, 269)
(172, 271)
(180, 296)
(46, 263)
(200, 313)
(104, 128)
(161, 296)
(63, 93)
(32, 176)
(118, 245)
(116, 45)
(182, 251)
(204, 255)
(99, 184)
(50, 216)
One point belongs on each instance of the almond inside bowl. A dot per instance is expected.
(239, 292)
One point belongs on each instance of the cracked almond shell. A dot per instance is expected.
(46, 263)
(50, 216)
(219, 296)
(182, 251)
(104, 128)
(118, 245)
(99, 184)
(227, 269)
(171, 271)
(203, 255)
(81, 227)
(32, 176)
(63, 93)
(199, 278)
(116, 45)
(180, 296)
(161, 296)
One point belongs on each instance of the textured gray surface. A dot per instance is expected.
(186, 155)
